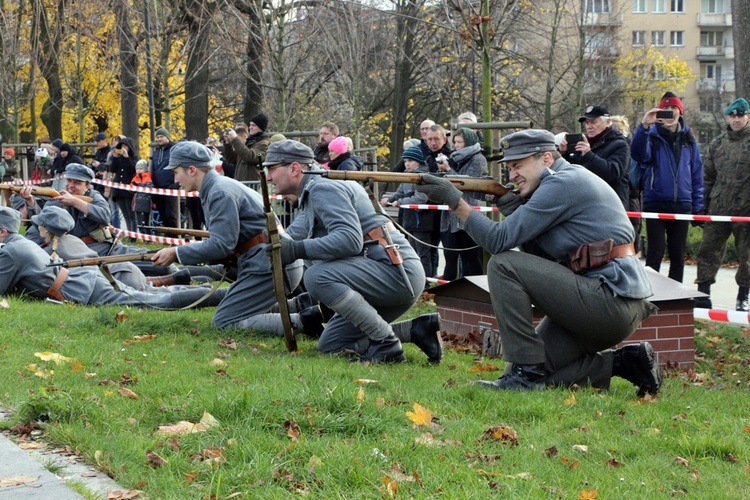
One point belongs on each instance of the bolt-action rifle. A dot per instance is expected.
(98, 261)
(43, 191)
(486, 185)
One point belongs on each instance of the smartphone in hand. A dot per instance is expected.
(665, 114)
(572, 140)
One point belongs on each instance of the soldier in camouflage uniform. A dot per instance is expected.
(726, 170)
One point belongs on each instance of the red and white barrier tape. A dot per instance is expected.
(435, 280)
(724, 316)
(632, 215)
(31, 182)
(165, 240)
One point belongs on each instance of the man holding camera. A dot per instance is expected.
(602, 149)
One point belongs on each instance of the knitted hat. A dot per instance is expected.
(142, 164)
(10, 152)
(260, 120)
(413, 153)
(470, 137)
(161, 131)
(338, 145)
(57, 143)
(669, 99)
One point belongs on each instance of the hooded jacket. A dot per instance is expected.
(123, 168)
(609, 158)
(666, 179)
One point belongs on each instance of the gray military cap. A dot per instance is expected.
(17, 202)
(10, 219)
(79, 172)
(288, 151)
(526, 143)
(56, 220)
(189, 153)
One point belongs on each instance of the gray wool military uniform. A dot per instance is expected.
(23, 269)
(234, 214)
(335, 216)
(585, 315)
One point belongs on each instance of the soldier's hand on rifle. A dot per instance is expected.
(440, 190)
(26, 195)
(507, 203)
(67, 199)
(291, 250)
(165, 257)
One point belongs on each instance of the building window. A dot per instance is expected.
(711, 38)
(596, 6)
(712, 7)
(710, 104)
(711, 71)
(639, 38)
(657, 38)
(640, 6)
(659, 6)
(677, 6)
(676, 38)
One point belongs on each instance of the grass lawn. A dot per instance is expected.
(307, 424)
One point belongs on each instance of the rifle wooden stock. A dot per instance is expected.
(43, 191)
(486, 185)
(178, 231)
(110, 259)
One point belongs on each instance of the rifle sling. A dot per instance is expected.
(53, 292)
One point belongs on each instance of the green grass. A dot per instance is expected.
(295, 423)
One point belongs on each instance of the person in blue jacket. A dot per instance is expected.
(668, 152)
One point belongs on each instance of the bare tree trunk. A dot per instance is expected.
(406, 23)
(47, 60)
(128, 71)
(741, 37)
(197, 14)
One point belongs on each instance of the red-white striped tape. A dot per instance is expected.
(724, 316)
(165, 240)
(435, 280)
(632, 215)
(35, 182)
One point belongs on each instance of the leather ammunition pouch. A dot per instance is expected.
(97, 236)
(593, 255)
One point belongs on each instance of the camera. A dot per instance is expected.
(665, 113)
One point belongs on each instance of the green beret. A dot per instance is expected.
(739, 107)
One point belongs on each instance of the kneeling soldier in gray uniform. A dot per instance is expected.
(235, 221)
(362, 267)
(24, 269)
(590, 306)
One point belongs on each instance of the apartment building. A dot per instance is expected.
(699, 32)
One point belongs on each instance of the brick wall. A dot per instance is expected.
(670, 331)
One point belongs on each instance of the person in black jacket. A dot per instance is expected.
(124, 158)
(603, 150)
(99, 163)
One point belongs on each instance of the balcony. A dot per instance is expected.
(601, 52)
(715, 52)
(712, 85)
(715, 19)
(602, 19)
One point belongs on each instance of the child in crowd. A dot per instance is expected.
(142, 201)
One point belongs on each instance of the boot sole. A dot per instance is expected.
(648, 359)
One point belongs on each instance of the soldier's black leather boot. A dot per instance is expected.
(704, 302)
(425, 333)
(742, 298)
(637, 364)
(387, 350)
(519, 378)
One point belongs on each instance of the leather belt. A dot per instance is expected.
(248, 244)
(88, 240)
(622, 251)
(53, 292)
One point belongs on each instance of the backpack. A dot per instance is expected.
(637, 175)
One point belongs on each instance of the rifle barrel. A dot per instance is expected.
(110, 259)
(198, 233)
(43, 191)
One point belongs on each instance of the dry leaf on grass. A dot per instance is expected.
(77, 366)
(187, 427)
(361, 394)
(4, 304)
(121, 316)
(143, 338)
(30, 445)
(154, 460)
(363, 381)
(571, 400)
(123, 494)
(479, 368)
(16, 480)
(220, 363)
(429, 440)
(681, 461)
(588, 495)
(420, 415)
(52, 356)
(124, 391)
(581, 448)
(502, 433)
